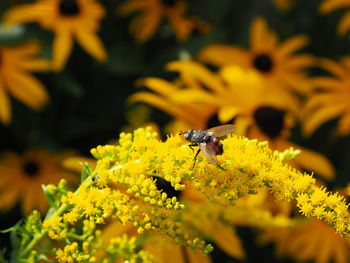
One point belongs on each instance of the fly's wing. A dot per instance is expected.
(208, 153)
(222, 130)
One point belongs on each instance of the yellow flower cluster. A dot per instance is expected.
(71, 253)
(128, 246)
(248, 166)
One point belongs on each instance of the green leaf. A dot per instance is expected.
(49, 196)
(86, 172)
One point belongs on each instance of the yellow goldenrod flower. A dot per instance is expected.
(68, 19)
(249, 165)
(330, 100)
(22, 177)
(328, 6)
(313, 241)
(275, 62)
(284, 5)
(152, 12)
(16, 63)
(231, 94)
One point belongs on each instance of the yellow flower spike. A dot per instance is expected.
(249, 166)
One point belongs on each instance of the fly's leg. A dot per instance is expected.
(191, 146)
(195, 157)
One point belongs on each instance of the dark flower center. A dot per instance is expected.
(169, 3)
(69, 8)
(167, 188)
(31, 168)
(269, 120)
(263, 63)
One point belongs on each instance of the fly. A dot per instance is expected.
(208, 141)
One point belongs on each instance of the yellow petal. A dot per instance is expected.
(220, 55)
(116, 229)
(159, 86)
(131, 6)
(28, 200)
(330, 5)
(344, 124)
(291, 45)
(160, 103)
(298, 62)
(199, 73)
(163, 251)
(321, 116)
(226, 114)
(27, 49)
(181, 25)
(62, 46)
(314, 162)
(197, 257)
(21, 14)
(26, 89)
(258, 33)
(317, 101)
(327, 83)
(242, 125)
(344, 24)
(284, 5)
(91, 43)
(74, 163)
(194, 96)
(9, 197)
(36, 65)
(261, 38)
(333, 67)
(229, 242)
(144, 26)
(5, 106)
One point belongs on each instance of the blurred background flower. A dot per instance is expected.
(276, 69)
(330, 99)
(22, 177)
(152, 13)
(328, 6)
(68, 19)
(16, 64)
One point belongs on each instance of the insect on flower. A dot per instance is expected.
(208, 141)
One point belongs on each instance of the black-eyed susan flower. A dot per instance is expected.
(328, 6)
(330, 100)
(232, 94)
(152, 13)
(69, 20)
(15, 79)
(312, 241)
(276, 62)
(22, 177)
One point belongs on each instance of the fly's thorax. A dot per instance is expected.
(197, 136)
